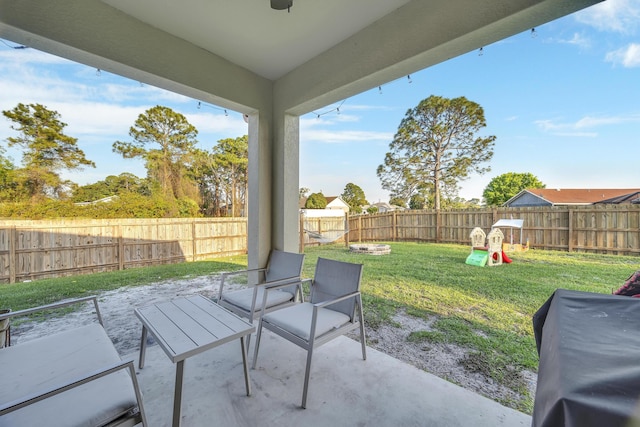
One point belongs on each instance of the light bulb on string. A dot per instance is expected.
(481, 52)
(98, 72)
(409, 78)
(380, 90)
(534, 34)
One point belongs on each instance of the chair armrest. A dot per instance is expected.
(37, 397)
(336, 300)
(278, 284)
(233, 273)
(281, 283)
(60, 304)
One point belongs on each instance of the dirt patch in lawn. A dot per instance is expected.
(447, 361)
(443, 360)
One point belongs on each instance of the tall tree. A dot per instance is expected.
(435, 147)
(231, 157)
(417, 201)
(505, 186)
(8, 182)
(174, 139)
(112, 185)
(222, 177)
(354, 196)
(46, 150)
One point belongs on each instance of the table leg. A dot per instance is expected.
(244, 364)
(143, 347)
(177, 397)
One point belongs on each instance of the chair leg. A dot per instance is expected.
(306, 377)
(363, 340)
(256, 345)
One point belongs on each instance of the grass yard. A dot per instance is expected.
(487, 310)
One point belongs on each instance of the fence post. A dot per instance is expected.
(394, 230)
(359, 229)
(570, 232)
(12, 254)
(346, 227)
(194, 243)
(120, 248)
(438, 225)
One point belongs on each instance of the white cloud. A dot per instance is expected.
(620, 16)
(591, 122)
(339, 137)
(628, 57)
(580, 127)
(577, 40)
(232, 124)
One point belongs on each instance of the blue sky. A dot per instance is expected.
(563, 104)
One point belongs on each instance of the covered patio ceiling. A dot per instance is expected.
(224, 51)
(273, 65)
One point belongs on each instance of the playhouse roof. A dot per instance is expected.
(515, 223)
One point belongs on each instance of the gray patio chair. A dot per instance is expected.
(331, 312)
(283, 268)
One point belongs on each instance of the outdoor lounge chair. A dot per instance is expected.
(331, 312)
(70, 378)
(283, 267)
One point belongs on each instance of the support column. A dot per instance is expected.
(286, 181)
(260, 195)
(273, 185)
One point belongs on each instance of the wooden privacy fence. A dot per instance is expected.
(612, 229)
(52, 248)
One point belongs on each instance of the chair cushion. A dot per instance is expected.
(297, 319)
(54, 360)
(244, 297)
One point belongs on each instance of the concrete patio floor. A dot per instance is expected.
(344, 390)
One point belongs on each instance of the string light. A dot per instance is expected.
(481, 52)
(337, 109)
(409, 78)
(201, 104)
(98, 72)
(380, 90)
(534, 34)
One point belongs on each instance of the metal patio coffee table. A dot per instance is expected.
(184, 327)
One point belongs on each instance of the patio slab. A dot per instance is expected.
(344, 390)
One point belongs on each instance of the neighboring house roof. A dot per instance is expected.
(570, 196)
(333, 202)
(633, 198)
(386, 207)
(336, 202)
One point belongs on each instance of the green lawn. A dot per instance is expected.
(486, 309)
